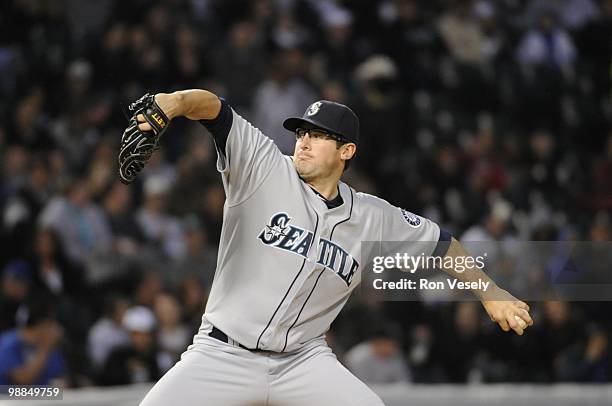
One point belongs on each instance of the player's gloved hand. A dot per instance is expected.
(507, 311)
(141, 138)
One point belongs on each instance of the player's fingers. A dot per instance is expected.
(145, 127)
(522, 305)
(504, 325)
(513, 323)
(140, 118)
(501, 320)
(525, 316)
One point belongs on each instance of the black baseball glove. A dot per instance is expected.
(137, 146)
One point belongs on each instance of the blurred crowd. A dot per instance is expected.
(492, 118)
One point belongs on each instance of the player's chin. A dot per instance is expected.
(304, 169)
(300, 164)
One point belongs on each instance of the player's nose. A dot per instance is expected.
(304, 142)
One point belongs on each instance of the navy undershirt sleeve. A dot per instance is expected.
(443, 243)
(219, 127)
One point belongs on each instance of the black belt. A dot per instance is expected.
(221, 336)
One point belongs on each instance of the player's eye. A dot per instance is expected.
(318, 135)
(314, 134)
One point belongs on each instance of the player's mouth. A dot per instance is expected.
(304, 156)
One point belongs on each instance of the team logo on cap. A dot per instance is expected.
(411, 218)
(313, 109)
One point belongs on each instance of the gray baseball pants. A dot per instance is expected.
(212, 372)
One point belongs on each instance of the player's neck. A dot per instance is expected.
(328, 188)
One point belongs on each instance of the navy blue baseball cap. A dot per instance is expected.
(329, 116)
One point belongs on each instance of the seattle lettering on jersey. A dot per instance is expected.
(280, 234)
(287, 237)
(334, 257)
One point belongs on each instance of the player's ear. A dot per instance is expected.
(348, 151)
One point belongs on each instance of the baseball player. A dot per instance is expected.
(289, 258)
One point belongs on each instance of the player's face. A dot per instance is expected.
(316, 154)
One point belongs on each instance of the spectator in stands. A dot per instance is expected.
(137, 361)
(108, 332)
(101, 169)
(200, 260)
(451, 364)
(561, 328)
(30, 353)
(593, 43)
(547, 43)
(494, 39)
(544, 165)
(573, 14)
(287, 32)
(195, 172)
(211, 211)
(21, 210)
(80, 223)
(148, 287)
(341, 49)
(485, 238)
(411, 40)
(16, 285)
(54, 272)
(160, 171)
(14, 168)
(379, 360)
(381, 110)
(30, 129)
(282, 94)
(159, 228)
(189, 49)
(172, 335)
(420, 352)
(588, 362)
(240, 63)
(117, 205)
(193, 296)
(462, 34)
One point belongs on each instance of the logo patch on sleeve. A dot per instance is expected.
(411, 218)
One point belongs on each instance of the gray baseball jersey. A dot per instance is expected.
(287, 263)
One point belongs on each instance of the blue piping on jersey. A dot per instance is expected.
(304, 305)
(290, 286)
(321, 273)
(331, 235)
